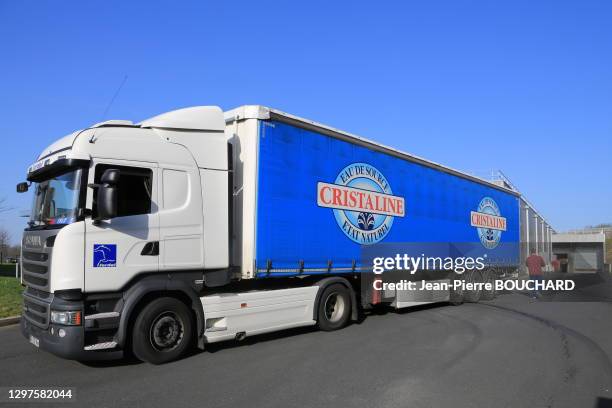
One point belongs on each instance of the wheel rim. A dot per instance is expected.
(166, 331)
(458, 292)
(476, 277)
(335, 305)
(488, 278)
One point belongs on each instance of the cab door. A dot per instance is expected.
(116, 250)
(180, 218)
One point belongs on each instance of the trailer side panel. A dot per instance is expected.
(320, 199)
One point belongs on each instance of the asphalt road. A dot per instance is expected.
(511, 352)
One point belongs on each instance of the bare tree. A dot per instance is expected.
(5, 243)
(14, 251)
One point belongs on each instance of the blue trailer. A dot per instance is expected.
(310, 220)
(324, 203)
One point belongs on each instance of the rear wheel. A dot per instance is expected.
(489, 277)
(473, 276)
(456, 295)
(334, 308)
(162, 331)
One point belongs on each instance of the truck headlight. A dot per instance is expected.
(68, 318)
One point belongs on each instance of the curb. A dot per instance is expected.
(7, 321)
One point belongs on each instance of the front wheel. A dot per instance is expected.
(334, 308)
(162, 331)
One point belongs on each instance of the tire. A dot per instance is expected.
(163, 331)
(456, 296)
(473, 276)
(334, 307)
(489, 277)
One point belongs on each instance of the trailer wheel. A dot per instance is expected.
(334, 308)
(473, 276)
(162, 331)
(456, 295)
(489, 294)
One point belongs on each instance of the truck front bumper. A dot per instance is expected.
(64, 341)
(69, 346)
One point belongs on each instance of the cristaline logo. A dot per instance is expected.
(489, 222)
(363, 203)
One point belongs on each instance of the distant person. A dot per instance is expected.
(535, 263)
(564, 265)
(556, 264)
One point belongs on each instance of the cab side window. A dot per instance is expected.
(134, 189)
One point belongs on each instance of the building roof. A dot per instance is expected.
(595, 237)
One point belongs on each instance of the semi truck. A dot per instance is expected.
(198, 226)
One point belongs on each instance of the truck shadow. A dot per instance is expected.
(381, 310)
(252, 340)
(376, 311)
(127, 360)
(602, 402)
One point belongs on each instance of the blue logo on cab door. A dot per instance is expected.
(104, 255)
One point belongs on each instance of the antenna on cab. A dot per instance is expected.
(125, 77)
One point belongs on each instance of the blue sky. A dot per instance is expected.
(521, 86)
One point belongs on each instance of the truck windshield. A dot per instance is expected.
(56, 201)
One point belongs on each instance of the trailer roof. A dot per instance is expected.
(264, 113)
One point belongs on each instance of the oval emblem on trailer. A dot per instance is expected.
(362, 201)
(488, 222)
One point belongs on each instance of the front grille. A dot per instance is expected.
(30, 267)
(36, 311)
(36, 307)
(36, 259)
(34, 318)
(33, 280)
(35, 267)
(37, 293)
(35, 256)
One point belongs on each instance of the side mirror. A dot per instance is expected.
(22, 187)
(110, 176)
(107, 194)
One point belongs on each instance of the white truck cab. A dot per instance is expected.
(118, 201)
